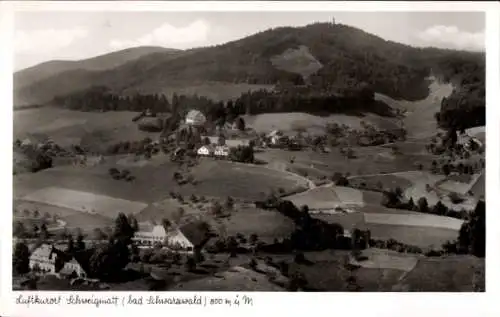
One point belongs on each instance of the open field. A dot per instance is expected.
(418, 220)
(84, 202)
(299, 61)
(222, 178)
(170, 209)
(367, 161)
(389, 181)
(266, 224)
(71, 218)
(383, 226)
(453, 273)
(387, 259)
(423, 237)
(290, 122)
(236, 278)
(328, 197)
(67, 127)
(154, 182)
(419, 120)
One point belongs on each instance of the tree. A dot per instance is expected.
(254, 238)
(80, 244)
(217, 208)
(19, 230)
(109, 260)
(36, 213)
(221, 140)
(70, 247)
(423, 205)
(123, 230)
(44, 233)
(133, 222)
(229, 203)
(240, 124)
(20, 258)
(411, 204)
(439, 209)
(472, 234)
(190, 264)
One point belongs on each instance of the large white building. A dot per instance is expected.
(44, 259)
(196, 118)
(182, 238)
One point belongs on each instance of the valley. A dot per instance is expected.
(275, 173)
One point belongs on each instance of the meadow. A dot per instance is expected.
(84, 202)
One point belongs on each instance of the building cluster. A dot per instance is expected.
(220, 147)
(47, 259)
(185, 238)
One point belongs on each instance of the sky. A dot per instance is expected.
(42, 36)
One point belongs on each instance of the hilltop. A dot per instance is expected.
(28, 78)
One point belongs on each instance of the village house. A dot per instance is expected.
(44, 259)
(206, 150)
(149, 238)
(73, 268)
(186, 238)
(221, 151)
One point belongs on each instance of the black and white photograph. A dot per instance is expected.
(249, 151)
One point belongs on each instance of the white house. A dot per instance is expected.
(43, 258)
(26, 142)
(222, 151)
(148, 238)
(196, 118)
(72, 267)
(206, 150)
(184, 238)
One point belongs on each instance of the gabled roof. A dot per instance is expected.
(67, 270)
(210, 147)
(45, 250)
(197, 232)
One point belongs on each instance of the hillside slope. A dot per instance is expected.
(29, 78)
(328, 56)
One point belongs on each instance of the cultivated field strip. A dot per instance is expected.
(421, 220)
(84, 201)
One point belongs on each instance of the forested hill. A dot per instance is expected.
(31, 75)
(342, 56)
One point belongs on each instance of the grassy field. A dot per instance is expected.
(420, 121)
(222, 178)
(418, 220)
(387, 259)
(388, 181)
(453, 274)
(85, 202)
(294, 121)
(317, 198)
(424, 237)
(234, 279)
(154, 182)
(411, 229)
(367, 161)
(266, 224)
(330, 197)
(68, 127)
(71, 218)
